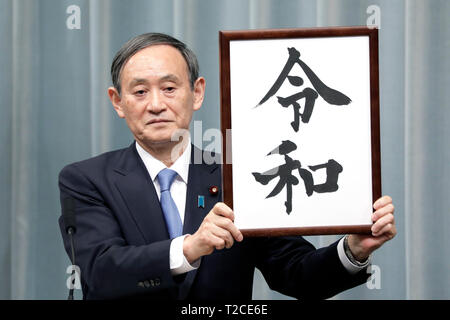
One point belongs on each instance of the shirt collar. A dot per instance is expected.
(154, 166)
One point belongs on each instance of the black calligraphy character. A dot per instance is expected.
(333, 169)
(328, 94)
(310, 98)
(285, 173)
(287, 179)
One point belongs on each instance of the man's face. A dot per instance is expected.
(156, 98)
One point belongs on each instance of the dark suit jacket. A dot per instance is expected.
(122, 244)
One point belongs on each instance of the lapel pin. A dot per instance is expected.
(201, 201)
(214, 190)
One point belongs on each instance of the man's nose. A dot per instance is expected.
(156, 103)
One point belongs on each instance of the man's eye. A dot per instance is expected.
(169, 89)
(140, 92)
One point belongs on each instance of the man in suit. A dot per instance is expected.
(140, 232)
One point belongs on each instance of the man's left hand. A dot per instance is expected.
(383, 230)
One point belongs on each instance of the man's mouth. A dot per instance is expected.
(158, 121)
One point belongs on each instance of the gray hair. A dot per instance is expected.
(145, 40)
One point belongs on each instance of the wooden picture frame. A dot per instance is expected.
(302, 106)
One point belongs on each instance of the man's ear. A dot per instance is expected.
(199, 92)
(116, 101)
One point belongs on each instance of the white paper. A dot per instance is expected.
(334, 132)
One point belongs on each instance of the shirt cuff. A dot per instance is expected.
(178, 262)
(350, 266)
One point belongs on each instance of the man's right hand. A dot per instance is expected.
(217, 231)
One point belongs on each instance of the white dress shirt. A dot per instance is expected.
(178, 190)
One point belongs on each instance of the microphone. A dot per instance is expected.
(68, 215)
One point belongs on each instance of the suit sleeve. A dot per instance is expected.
(292, 266)
(110, 267)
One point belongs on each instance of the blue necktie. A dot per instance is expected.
(173, 221)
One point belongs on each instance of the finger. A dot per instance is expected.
(381, 223)
(388, 231)
(387, 209)
(223, 210)
(223, 222)
(381, 202)
(229, 226)
(217, 242)
(224, 235)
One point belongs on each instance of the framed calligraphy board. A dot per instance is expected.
(300, 113)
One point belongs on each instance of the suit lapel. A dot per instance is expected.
(201, 178)
(139, 195)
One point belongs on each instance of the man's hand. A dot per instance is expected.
(383, 230)
(217, 231)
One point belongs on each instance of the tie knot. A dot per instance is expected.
(165, 178)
